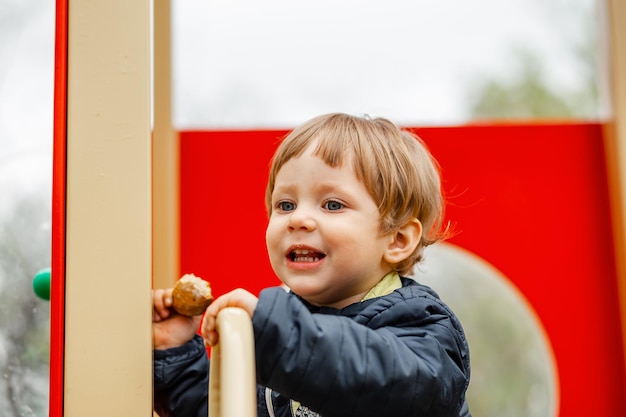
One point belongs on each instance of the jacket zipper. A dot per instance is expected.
(268, 402)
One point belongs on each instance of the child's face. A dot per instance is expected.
(323, 236)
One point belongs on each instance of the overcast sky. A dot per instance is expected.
(279, 62)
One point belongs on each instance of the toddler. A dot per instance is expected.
(352, 204)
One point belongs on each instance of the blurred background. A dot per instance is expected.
(273, 64)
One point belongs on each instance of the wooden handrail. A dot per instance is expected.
(232, 381)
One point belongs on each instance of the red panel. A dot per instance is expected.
(57, 291)
(530, 199)
(223, 215)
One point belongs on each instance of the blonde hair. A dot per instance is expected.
(394, 165)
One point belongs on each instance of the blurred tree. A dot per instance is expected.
(24, 318)
(529, 96)
(525, 93)
(24, 214)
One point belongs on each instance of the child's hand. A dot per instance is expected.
(170, 329)
(236, 298)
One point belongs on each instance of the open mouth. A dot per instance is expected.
(305, 255)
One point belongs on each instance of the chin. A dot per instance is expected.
(306, 292)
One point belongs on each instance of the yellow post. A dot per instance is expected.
(108, 343)
(615, 143)
(165, 151)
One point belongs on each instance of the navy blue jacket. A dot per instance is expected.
(402, 354)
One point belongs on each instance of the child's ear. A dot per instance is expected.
(403, 242)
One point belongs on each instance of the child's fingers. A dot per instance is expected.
(211, 339)
(209, 334)
(162, 302)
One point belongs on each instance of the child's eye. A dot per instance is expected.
(286, 206)
(333, 205)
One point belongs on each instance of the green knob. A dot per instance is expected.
(41, 284)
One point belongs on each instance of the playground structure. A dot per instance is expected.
(118, 212)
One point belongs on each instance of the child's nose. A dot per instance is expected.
(302, 219)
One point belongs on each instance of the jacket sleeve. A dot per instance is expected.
(181, 380)
(405, 356)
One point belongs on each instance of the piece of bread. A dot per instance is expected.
(191, 295)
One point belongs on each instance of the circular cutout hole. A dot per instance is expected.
(513, 366)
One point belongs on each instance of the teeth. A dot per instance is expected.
(305, 259)
(304, 255)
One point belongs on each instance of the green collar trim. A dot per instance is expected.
(385, 286)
